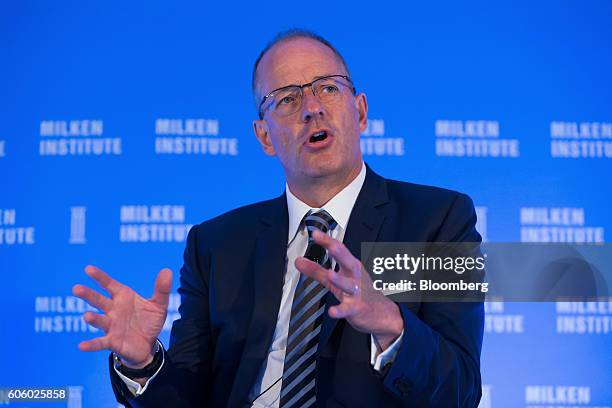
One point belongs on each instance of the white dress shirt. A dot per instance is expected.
(339, 207)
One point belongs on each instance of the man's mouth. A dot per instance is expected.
(319, 140)
(318, 136)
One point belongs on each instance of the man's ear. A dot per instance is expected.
(263, 136)
(362, 109)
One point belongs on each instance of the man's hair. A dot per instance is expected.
(288, 35)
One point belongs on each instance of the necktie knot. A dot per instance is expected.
(320, 220)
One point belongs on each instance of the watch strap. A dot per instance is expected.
(147, 371)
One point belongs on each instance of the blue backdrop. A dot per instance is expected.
(122, 124)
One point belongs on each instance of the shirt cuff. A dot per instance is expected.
(379, 360)
(135, 388)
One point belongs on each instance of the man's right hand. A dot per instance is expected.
(131, 323)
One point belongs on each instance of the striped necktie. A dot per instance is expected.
(299, 371)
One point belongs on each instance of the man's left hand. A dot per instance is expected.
(366, 309)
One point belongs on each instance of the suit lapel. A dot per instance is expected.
(364, 225)
(268, 277)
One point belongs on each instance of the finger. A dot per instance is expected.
(342, 311)
(163, 285)
(100, 321)
(339, 252)
(314, 270)
(92, 297)
(345, 284)
(103, 279)
(97, 344)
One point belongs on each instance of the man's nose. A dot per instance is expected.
(311, 105)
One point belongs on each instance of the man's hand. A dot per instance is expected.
(365, 308)
(131, 323)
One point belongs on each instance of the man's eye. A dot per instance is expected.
(286, 100)
(330, 89)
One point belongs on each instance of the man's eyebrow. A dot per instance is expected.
(321, 76)
(314, 79)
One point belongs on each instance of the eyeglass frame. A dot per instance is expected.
(270, 94)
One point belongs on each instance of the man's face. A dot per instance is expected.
(295, 62)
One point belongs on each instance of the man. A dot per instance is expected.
(258, 325)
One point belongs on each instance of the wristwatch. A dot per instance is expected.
(147, 371)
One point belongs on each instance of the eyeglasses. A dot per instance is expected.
(288, 99)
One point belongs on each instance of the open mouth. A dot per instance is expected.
(318, 137)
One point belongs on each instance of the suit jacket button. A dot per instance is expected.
(402, 385)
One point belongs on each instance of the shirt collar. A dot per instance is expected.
(339, 207)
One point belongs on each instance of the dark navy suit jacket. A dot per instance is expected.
(231, 286)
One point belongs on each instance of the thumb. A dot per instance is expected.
(163, 285)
